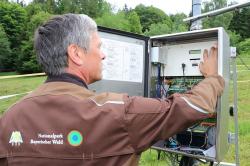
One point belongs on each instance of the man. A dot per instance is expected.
(63, 123)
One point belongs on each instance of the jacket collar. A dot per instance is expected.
(66, 77)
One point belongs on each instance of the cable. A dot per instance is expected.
(183, 65)
(163, 84)
(205, 141)
(158, 86)
(195, 125)
(165, 91)
(191, 138)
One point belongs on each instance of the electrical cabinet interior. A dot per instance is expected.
(177, 71)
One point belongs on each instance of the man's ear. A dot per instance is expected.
(74, 54)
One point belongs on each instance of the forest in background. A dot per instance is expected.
(18, 22)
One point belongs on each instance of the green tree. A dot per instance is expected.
(171, 24)
(240, 24)
(13, 18)
(134, 20)
(116, 21)
(234, 38)
(149, 15)
(178, 24)
(5, 52)
(123, 20)
(27, 62)
(244, 47)
(34, 8)
(93, 8)
(159, 28)
(126, 9)
(37, 20)
(49, 6)
(222, 20)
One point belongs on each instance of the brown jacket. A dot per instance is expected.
(65, 124)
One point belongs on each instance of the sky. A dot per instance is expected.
(168, 6)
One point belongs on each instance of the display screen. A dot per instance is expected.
(194, 51)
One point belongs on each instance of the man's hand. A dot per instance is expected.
(209, 66)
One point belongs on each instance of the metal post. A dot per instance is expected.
(218, 11)
(196, 10)
(237, 160)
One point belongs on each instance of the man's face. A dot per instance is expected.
(94, 58)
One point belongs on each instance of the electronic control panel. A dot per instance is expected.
(175, 69)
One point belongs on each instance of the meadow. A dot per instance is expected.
(23, 85)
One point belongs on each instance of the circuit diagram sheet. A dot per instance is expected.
(123, 62)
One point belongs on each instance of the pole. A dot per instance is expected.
(236, 130)
(196, 10)
(219, 11)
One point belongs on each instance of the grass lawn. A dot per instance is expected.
(149, 158)
(7, 73)
(15, 86)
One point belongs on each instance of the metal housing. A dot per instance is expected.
(219, 35)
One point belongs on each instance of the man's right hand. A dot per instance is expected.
(209, 66)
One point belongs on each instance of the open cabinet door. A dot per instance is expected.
(125, 68)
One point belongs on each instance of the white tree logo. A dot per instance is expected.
(16, 138)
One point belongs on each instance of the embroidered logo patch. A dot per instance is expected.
(16, 138)
(75, 138)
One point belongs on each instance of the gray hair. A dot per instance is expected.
(53, 38)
